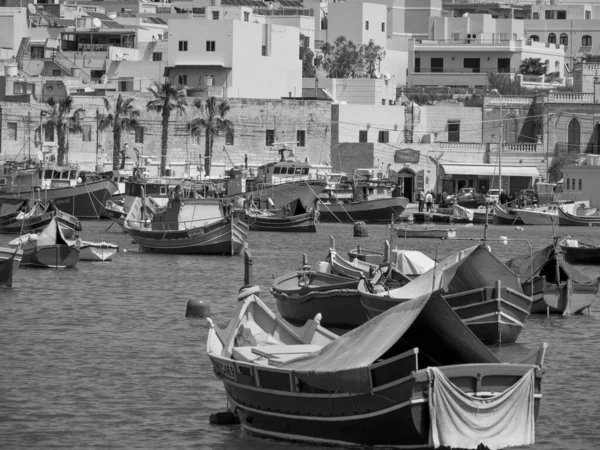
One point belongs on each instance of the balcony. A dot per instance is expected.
(570, 97)
(564, 147)
(455, 70)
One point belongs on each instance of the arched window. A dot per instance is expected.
(586, 41)
(510, 130)
(551, 38)
(574, 136)
(564, 39)
(534, 38)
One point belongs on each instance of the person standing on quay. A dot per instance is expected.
(421, 199)
(429, 200)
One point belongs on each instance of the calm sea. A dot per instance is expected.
(102, 356)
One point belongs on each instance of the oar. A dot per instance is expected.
(110, 226)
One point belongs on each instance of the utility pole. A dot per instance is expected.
(29, 133)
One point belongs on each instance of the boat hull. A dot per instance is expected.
(97, 252)
(501, 217)
(536, 217)
(10, 259)
(300, 223)
(226, 237)
(379, 210)
(57, 256)
(581, 255)
(432, 233)
(569, 220)
(570, 298)
(84, 201)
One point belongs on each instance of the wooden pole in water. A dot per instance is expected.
(247, 265)
(392, 233)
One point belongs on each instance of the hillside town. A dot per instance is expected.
(439, 93)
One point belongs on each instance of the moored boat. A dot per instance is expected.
(426, 232)
(292, 218)
(577, 252)
(97, 251)
(502, 217)
(49, 249)
(567, 219)
(390, 376)
(481, 290)
(10, 259)
(549, 214)
(376, 210)
(35, 216)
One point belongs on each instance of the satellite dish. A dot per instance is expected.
(31, 8)
(377, 74)
(386, 75)
(97, 23)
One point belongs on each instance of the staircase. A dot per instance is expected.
(24, 52)
(67, 65)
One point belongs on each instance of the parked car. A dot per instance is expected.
(529, 196)
(493, 196)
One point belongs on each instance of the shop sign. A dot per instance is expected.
(407, 155)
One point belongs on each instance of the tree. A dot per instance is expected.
(167, 98)
(62, 121)
(308, 57)
(504, 83)
(560, 160)
(123, 117)
(343, 59)
(212, 120)
(373, 55)
(533, 66)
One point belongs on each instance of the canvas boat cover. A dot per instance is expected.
(195, 214)
(424, 321)
(8, 208)
(458, 420)
(459, 212)
(544, 264)
(412, 262)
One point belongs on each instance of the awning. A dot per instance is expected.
(490, 170)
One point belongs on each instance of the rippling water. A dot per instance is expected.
(103, 356)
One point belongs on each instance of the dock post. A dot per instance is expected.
(247, 265)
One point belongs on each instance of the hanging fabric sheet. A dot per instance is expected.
(458, 420)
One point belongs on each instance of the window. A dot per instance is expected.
(210, 46)
(384, 137)
(56, 73)
(471, 63)
(534, 38)
(215, 15)
(550, 15)
(48, 133)
(122, 86)
(453, 131)
(568, 184)
(270, 134)
(574, 136)
(139, 135)
(564, 39)
(22, 88)
(12, 131)
(182, 79)
(157, 56)
(580, 184)
(417, 65)
(301, 138)
(246, 16)
(437, 64)
(363, 136)
(456, 37)
(306, 41)
(551, 38)
(504, 65)
(366, 24)
(324, 24)
(183, 47)
(383, 26)
(536, 16)
(86, 133)
(196, 136)
(229, 136)
(37, 52)
(586, 41)
(264, 50)
(588, 15)
(561, 15)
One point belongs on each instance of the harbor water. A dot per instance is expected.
(102, 356)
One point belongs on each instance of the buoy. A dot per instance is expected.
(504, 240)
(224, 418)
(197, 308)
(124, 250)
(360, 229)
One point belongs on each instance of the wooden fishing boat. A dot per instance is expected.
(549, 214)
(481, 290)
(480, 215)
(50, 248)
(389, 376)
(555, 285)
(97, 251)
(370, 211)
(303, 294)
(566, 219)
(577, 252)
(502, 217)
(10, 258)
(363, 254)
(426, 232)
(291, 218)
(36, 216)
(198, 226)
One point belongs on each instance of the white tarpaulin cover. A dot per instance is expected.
(461, 421)
(412, 262)
(458, 212)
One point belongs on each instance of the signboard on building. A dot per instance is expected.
(420, 186)
(407, 155)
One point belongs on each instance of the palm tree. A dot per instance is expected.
(533, 66)
(123, 117)
(62, 121)
(167, 98)
(212, 120)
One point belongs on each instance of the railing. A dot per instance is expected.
(563, 147)
(506, 148)
(66, 64)
(507, 100)
(285, 12)
(462, 147)
(460, 70)
(570, 97)
(93, 47)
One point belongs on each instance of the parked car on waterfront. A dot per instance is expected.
(493, 196)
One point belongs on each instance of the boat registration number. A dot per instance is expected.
(225, 369)
(197, 232)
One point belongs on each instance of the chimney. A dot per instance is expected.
(596, 90)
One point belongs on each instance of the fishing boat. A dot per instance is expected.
(502, 217)
(483, 214)
(49, 249)
(577, 252)
(198, 226)
(371, 256)
(292, 218)
(10, 258)
(34, 216)
(567, 219)
(481, 290)
(372, 200)
(97, 251)
(555, 285)
(303, 294)
(549, 214)
(393, 376)
(78, 193)
(426, 232)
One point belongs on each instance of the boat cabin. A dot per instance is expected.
(369, 184)
(25, 176)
